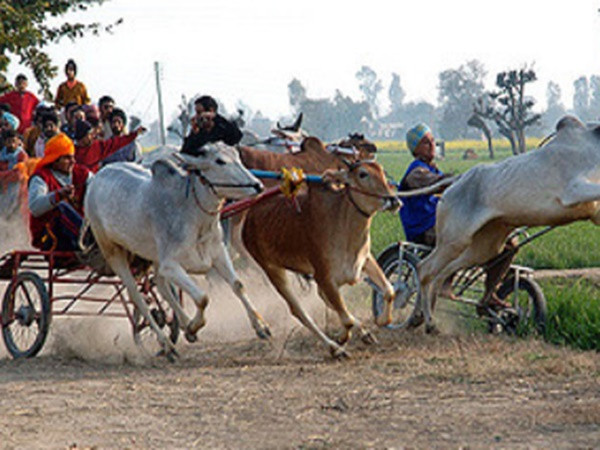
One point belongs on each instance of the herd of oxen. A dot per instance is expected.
(166, 211)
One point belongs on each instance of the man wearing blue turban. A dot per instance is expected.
(418, 213)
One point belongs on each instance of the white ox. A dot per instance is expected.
(169, 216)
(553, 185)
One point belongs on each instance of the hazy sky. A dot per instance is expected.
(251, 50)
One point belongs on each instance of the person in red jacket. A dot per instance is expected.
(22, 102)
(56, 191)
(90, 151)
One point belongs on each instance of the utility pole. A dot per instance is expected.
(161, 118)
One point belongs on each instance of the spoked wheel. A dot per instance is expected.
(527, 316)
(165, 318)
(402, 274)
(25, 315)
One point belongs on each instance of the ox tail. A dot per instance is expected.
(434, 188)
(84, 242)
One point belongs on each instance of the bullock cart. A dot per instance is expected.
(42, 285)
(522, 309)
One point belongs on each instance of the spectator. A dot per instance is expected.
(22, 102)
(209, 126)
(9, 121)
(56, 191)
(131, 151)
(73, 114)
(90, 152)
(49, 122)
(32, 133)
(106, 105)
(12, 152)
(71, 90)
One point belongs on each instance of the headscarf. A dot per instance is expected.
(57, 146)
(12, 120)
(415, 134)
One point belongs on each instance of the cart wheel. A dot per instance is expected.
(404, 279)
(165, 318)
(528, 306)
(26, 315)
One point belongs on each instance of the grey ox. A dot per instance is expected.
(170, 216)
(553, 185)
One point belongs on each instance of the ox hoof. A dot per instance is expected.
(430, 328)
(171, 354)
(339, 353)
(415, 321)
(368, 338)
(263, 333)
(190, 337)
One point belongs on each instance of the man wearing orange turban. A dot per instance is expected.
(56, 191)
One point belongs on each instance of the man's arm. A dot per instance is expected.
(421, 177)
(229, 131)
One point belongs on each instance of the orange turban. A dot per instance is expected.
(57, 146)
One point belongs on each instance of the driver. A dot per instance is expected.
(418, 213)
(56, 191)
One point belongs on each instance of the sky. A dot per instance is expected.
(251, 50)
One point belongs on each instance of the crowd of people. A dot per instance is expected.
(61, 145)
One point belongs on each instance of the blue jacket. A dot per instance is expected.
(417, 213)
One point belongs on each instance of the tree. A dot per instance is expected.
(458, 91)
(395, 93)
(555, 108)
(370, 86)
(581, 98)
(297, 94)
(25, 30)
(509, 108)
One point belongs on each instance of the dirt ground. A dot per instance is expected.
(410, 390)
(90, 388)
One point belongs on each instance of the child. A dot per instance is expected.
(12, 152)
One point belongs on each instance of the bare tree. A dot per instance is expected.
(509, 108)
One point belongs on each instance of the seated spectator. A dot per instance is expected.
(9, 121)
(131, 152)
(106, 105)
(73, 114)
(12, 152)
(71, 90)
(56, 192)
(90, 152)
(22, 103)
(50, 129)
(209, 126)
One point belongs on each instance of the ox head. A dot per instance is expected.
(291, 132)
(218, 167)
(366, 185)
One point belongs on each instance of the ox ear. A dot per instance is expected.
(189, 162)
(164, 168)
(312, 144)
(336, 180)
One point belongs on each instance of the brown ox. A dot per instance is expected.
(315, 159)
(328, 239)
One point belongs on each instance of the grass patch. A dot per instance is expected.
(573, 312)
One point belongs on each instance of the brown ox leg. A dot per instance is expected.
(279, 279)
(374, 272)
(333, 297)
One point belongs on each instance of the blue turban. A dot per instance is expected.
(12, 120)
(414, 136)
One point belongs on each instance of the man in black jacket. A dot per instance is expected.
(208, 126)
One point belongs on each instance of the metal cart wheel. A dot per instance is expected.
(164, 316)
(402, 274)
(26, 314)
(528, 306)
